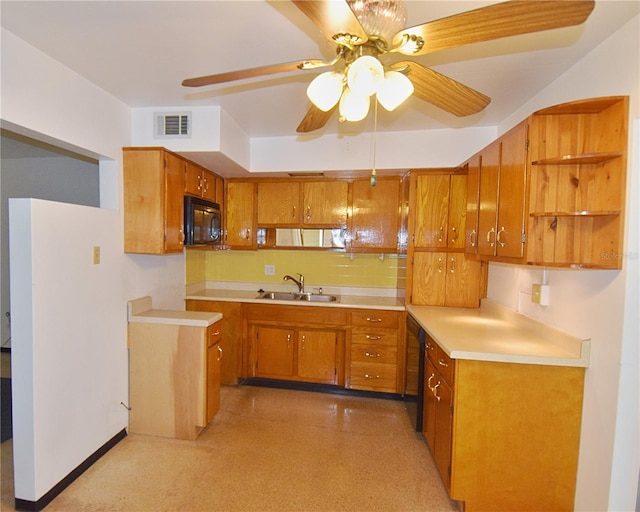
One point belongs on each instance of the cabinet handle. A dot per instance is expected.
(442, 362)
(199, 182)
(205, 188)
(303, 340)
(454, 236)
(369, 354)
(453, 266)
(432, 376)
(371, 337)
(502, 230)
(247, 235)
(293, 213)
(440, 265)
(181, 236)
(435, 391)
(472, 238)
(216, 333)
(367, 376)
(441, 237)
(374, 319)
(288, 340)
(219, 353)
(491, 244)
(308, 212)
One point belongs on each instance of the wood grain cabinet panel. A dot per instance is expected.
(240, 215)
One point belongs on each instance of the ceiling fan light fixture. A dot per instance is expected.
(364, 74)
(353, 106)
(380, 18)
(393, 90)
(325, 90)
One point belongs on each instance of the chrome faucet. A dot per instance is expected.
(299, 283)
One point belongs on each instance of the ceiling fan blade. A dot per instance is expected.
(442, 91)
(333, 17)
(314, 119)
(494, 22)
(250, 73)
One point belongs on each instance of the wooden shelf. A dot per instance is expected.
(583, 213)
(590, 158)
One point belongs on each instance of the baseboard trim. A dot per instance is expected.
(320, 388)
(36, 506)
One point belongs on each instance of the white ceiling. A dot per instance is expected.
(141, 51)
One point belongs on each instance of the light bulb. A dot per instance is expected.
(324, 90)
(364, 75)
(353, 107)
(394, 89)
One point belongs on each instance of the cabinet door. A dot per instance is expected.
(317, 356)
(429, 278)
(489, 175)
(192, 179)
(325, 202)
(463, 281)
(240, 213)
(429, 407)
(376, 214)
(431, 210)
(174, 204)
(444, 428)
(510, 214)
(214, 364)
(208, 185)
(473, 205)
(457, 211)
(278, 203)
(274, 352)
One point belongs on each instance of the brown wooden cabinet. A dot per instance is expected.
(214, 367)
(199, 182)
(375, 352)
(445, 279)
(376, 215)
(153, 201)
(302, 203)
(577, 183)
(240, 215)
(472, 204)
(502, 192)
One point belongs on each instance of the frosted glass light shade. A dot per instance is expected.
(394, 89)
(324, 90)
(353, 107)
(364, 75)
(382, 18)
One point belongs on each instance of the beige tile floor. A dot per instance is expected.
(267, 450)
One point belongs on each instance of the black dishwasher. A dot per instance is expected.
(414, 382)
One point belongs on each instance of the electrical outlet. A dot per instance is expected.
(540, 294)
(96, 254)
(269, 270)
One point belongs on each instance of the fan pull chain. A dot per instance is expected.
(374, 177)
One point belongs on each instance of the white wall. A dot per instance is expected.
(601, 305)
(72, 113)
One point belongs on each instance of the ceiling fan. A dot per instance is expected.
(366, 30)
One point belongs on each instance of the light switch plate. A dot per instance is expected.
(269, 270)
(96, 254)
(540, 294)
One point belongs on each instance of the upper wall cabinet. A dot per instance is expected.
(303, 204)
(501, 213)
(240, 215)
(376, 217)
(153, 201)
(472, 208)
(577, 184)
(199, 182)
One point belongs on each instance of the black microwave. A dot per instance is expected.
(202, 222)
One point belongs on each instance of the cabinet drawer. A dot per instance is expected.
(374, 337)
(444, 364)
(377, 318)
(371, 353)
(214, 334)
(374, 377)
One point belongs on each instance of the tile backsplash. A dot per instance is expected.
(322, 268)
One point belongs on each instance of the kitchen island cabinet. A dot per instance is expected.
(509, 438)
(174, 370)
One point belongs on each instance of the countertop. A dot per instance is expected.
(494, 333)
(344, 301)
(140, 311)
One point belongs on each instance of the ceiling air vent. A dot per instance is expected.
(172, 125)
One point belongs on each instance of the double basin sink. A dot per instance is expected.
(304, 297)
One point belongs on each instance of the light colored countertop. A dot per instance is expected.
(494, 333)
(344, 301)
(140, 311)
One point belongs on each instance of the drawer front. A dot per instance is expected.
(374, 337)
(445, 365)
(375, 318)
(431, 350)
(214, 334)
(370, 353)
(373, 377)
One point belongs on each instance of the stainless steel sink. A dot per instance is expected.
(307, 297)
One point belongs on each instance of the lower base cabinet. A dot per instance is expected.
(174, 378)
(505, 436)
